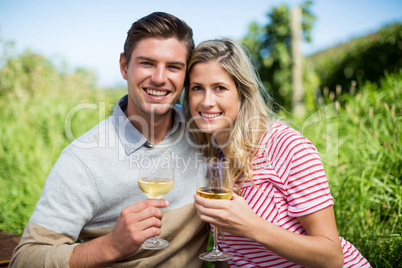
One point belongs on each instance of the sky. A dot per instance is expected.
(90, 34)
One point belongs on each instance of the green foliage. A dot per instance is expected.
(270, 48)
(35, 98)
(363, 59)
(358, 137)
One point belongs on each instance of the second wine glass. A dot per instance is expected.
(156, 178)
(214, 182)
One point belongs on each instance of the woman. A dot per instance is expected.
(282, 214)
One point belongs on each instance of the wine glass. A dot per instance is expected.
(214, 182)
(156, 178)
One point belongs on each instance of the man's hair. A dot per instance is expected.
(160, 25)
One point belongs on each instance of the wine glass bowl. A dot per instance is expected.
(214, 193)
(155, 187)
(156, 178)
(214, 182)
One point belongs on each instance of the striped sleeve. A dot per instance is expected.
(298, 164)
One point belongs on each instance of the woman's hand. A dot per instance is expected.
(233, 216)
(319, 248)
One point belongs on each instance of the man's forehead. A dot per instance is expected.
(170, 49)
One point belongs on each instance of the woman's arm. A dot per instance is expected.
(319, 248)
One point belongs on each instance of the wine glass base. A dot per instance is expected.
(215, 256)
(155, 245)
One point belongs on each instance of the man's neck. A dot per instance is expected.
(158, 128)
(153, 128)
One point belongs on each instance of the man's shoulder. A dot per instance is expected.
(93, 138)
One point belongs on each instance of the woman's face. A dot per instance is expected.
(213, 99)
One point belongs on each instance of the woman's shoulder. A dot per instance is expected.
(281, 138)
(280, 132)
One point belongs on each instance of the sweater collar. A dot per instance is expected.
(130, 137)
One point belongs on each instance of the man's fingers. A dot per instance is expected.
(152, 222)
(137, 216)
(147, 203)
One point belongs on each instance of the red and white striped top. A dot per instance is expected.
(289, 181)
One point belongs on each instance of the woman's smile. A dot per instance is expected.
(209, 115)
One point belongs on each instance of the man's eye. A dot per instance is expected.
(146, 63)
(175, 67)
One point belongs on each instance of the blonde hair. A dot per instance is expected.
(254, 117)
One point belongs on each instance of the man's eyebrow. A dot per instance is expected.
(170, 62)
(145, 58)
(182, 64)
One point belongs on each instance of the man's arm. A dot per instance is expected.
(40, 246)
(68, 202)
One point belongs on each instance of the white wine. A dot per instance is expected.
(214, 193)
(155, 187)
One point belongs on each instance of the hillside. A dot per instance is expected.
(367, 58)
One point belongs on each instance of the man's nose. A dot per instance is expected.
(159, 76)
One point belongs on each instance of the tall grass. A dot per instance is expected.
(363, 162)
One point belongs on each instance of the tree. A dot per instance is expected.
(270, 48)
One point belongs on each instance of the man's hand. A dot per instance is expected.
(135, 224)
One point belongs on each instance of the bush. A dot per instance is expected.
(358, 137)
(363, 59)
(35, 98)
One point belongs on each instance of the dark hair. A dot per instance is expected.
(160, 25)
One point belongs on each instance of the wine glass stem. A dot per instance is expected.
(153, 240)
(215, 248)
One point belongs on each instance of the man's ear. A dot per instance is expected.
(123, 66)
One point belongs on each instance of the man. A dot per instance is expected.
(92, 193)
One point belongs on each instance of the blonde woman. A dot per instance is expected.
(282, 214)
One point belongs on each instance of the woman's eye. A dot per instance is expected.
(196, 88)
(220, 88)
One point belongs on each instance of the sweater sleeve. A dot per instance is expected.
(41, 247)
(67, 203)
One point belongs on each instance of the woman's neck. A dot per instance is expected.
(222, 139)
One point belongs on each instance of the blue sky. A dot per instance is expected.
(91, 34)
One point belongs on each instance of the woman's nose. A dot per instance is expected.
(209, 98)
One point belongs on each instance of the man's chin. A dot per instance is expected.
(159, 111)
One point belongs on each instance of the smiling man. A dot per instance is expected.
(155, 75)
(92, 193)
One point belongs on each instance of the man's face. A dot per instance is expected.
(155, 76)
